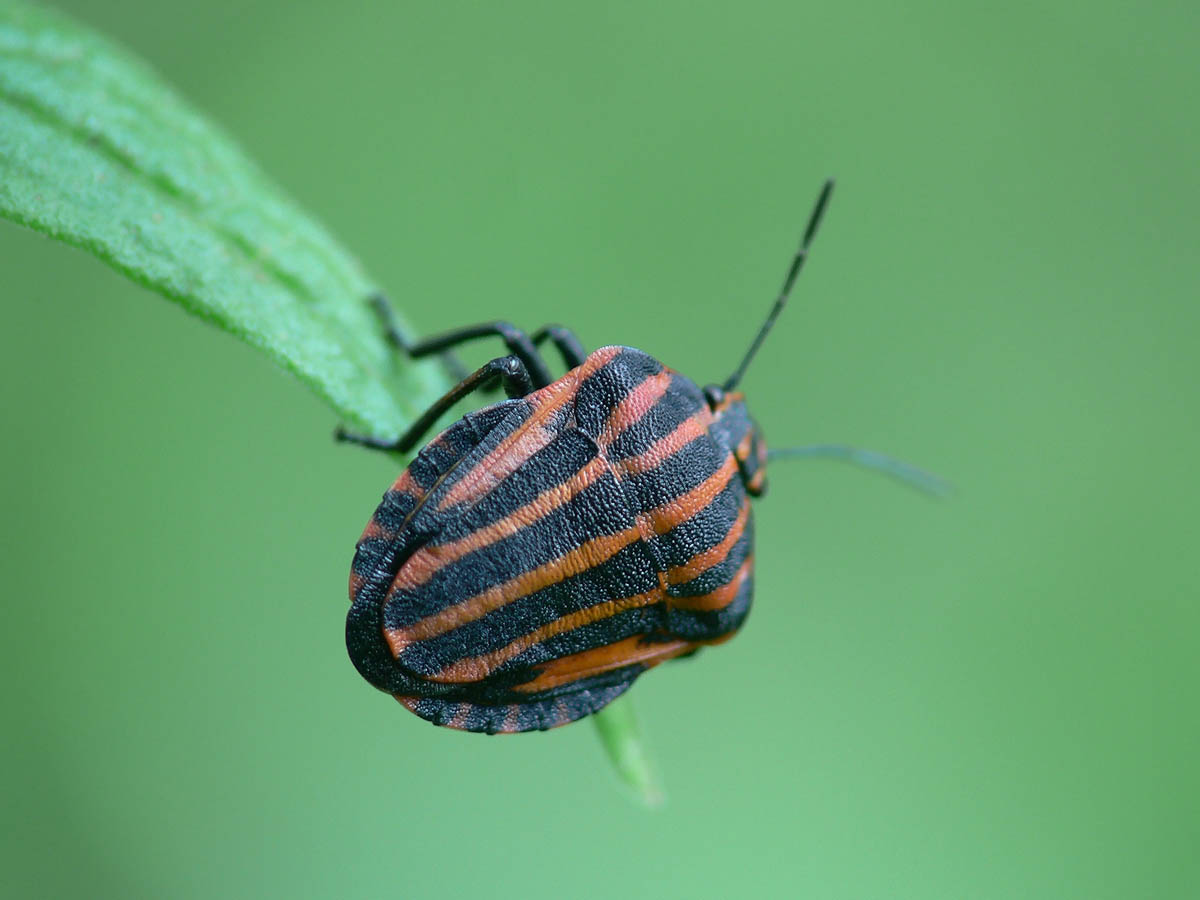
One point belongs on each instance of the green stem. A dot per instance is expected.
(618, 730)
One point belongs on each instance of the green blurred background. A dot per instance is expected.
(988, 697)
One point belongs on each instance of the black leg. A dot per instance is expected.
(387, 317)
(515, 339)
(517, 342)
(508, 370)
(564, 339)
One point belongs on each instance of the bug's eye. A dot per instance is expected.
(715, 395)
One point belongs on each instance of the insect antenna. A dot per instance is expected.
(814, 220)
(905, 473)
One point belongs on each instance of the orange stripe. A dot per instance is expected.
(705, 560)
(682, 508)
(460, 716)
(476, 668)
(586, 556)
(375, 530)
(602, 659)
(721, 597)
(743, 448)
(459, 721)
(666, 447)
(635, 405)
(560, 712)
(598, 359)
(427, 561)
(728, 401)
(512, 452)
(406, 484)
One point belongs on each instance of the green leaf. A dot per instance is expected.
(618, 730)
(97, 152)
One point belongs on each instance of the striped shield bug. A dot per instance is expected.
(541, 553)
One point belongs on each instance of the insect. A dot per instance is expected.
(541, 553)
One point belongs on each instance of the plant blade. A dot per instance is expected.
(97, 152)
(618, 730)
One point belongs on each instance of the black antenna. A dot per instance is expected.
(797, 264)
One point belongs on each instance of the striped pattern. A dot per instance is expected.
(541, 553)
(733, 427)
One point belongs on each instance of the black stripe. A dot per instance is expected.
(618, 627)
(536, 712)
(439, 712)
(370, 653)
(753, 464)
(720, 574)
(538, 544)
(681, 401)
(451, 446)
(581, 687)
(448, 448)
(627, 573)
(708, 625)
(370, 557)
(731, 426)
(394, 509)
(601, 392)
(482, 421)
(703, 531)
(485, 719)
(491, 425)
(562, 458)
(693, 464)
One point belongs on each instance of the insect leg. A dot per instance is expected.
(387, 318)
(510, 371)
(564, 339)
(517, 342)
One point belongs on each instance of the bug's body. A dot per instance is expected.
(541, 553)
